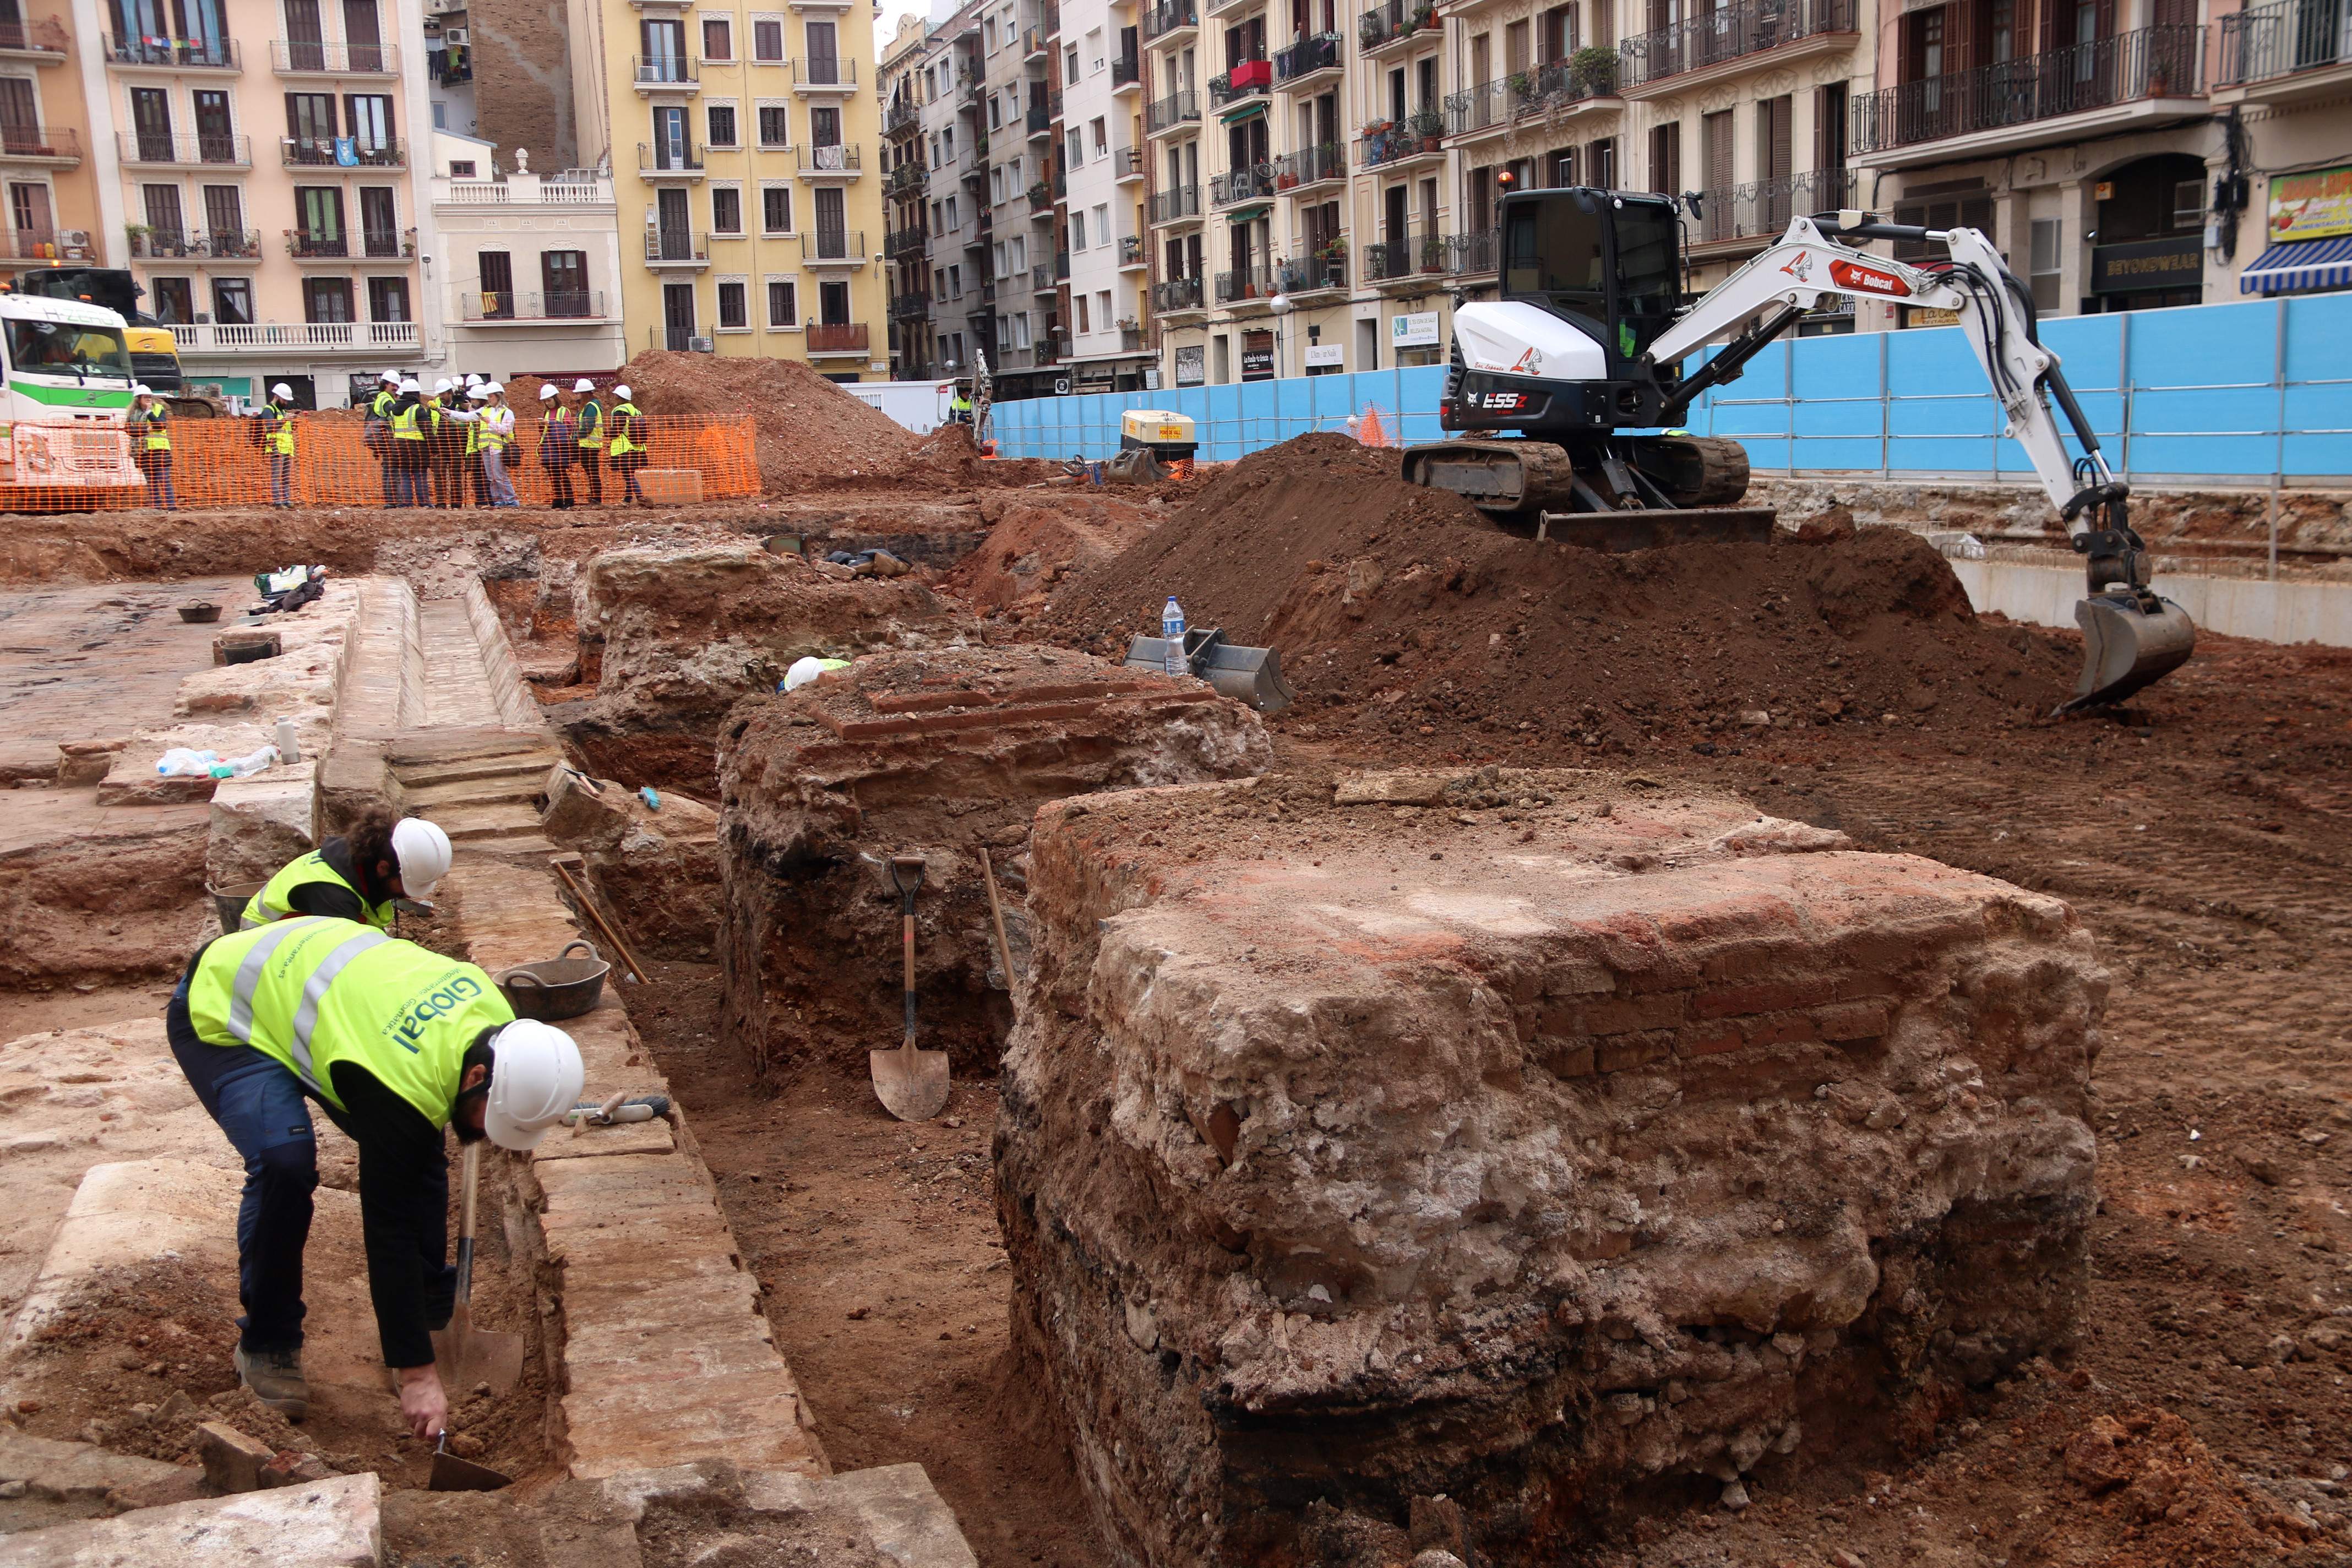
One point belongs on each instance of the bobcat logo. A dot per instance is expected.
(1799, 266)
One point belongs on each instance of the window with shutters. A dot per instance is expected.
(1971, 208)
(1715, 140)
(768, 40)
(1774, 157)
(1600, 163)
(734, 310)
(776, 209)
(721, 119)
(775, 126)
(783, 311)
(726, 209)
(1666, 158)
(1829, 127)
(717, 39)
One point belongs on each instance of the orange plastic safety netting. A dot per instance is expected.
(226, 463)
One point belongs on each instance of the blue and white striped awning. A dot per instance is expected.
(2301, 264)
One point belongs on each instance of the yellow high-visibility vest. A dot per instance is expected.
(275, 901)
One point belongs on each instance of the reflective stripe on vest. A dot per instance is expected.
(158, 440)
(281, 440)
(403, 426)
(625, 442)
(314, 991)
(276, 900)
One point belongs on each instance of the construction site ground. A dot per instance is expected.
(2204, 835)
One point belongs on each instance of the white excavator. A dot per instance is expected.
(1578, 366)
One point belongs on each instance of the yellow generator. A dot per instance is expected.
(1168, 437)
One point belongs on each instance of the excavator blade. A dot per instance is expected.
(1617, 532)
(2127, 645)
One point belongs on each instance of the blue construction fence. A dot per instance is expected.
(2234, 392)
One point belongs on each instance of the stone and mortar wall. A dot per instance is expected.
(1543, 1166)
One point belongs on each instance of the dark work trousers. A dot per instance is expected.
(480, 477)
(449, 479)
(260, 1105)
(593, 462)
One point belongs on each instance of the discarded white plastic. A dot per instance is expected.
(802, 671)
(245, 766)
(181, 763)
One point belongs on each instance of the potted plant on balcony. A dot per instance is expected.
(1523, 87)
(1428, 125)
(138, 233)
(1369, 30)
(1424, 17)
(1594, 68)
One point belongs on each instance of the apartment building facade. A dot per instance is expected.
(49, 140)
(745, 139)
(531, 263)
(260, 170)
(1100, 141)
(905, 203)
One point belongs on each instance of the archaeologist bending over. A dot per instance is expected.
(396, 1042)
(356, 875)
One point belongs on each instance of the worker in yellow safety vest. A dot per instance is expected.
(278, 437)
(409, 462)
(489, 429)
(590, 413)
(358, 875)
(376, 430)
(631, 444)
(150, 440)
(395, 1042)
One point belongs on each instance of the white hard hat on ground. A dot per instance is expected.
(536, 1076)
(547, 392)
(421, 851)
(621, 391)
(410, 385)
(583, 385)
(281, 390)
(804, 670)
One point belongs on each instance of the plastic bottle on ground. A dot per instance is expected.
(244, 766)
(182, 763)
(1171, 627)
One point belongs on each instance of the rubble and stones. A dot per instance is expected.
(654, 863)
(1546, 1162)
(940, 754)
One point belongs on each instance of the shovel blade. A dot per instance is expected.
(452, 1474)
(911, 1085)
(2126, 646)
(466, 1357)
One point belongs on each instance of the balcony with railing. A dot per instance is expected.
(56, 146)
(343, 153)
(1125, 73)
(1252, 183)
(305, 245)
(1245, 284)
(533, 308)
(664, 73)
(172, 54)
(1126, 164)
(1130, 338)
(1040, 277)
(1061, 266)
(1176, 204)
(1307, 61)
(1041, 198)
(834, 163)
(1473, 255)
(163, 151)
(1555, 92)
(371, 338)
(2136, 79)
(900, 242)
(906, 180)
(1173, 295)
(1131, 250)
(1039, 117)
(903, 115)
(577, 188)
(43, 40)
(313, 56)
(910, 306)
(1166, 114)
(1164, 19)
(1752, 216)
(1396, 22)
(1727, 40)
(1418, 136)
(1404, 257)
(27, 243)
(836, 337)
(677, 247)
(2287, 50)
(1250, 78)
(1309, 166)
(833, 248)
(668, 163)
(1314, 274)
(825, 73)
(176, 244)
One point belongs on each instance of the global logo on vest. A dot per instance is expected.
(448, 999)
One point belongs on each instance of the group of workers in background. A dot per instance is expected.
(435, 447)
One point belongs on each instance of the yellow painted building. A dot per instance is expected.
(743, 141)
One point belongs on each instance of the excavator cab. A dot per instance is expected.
(1608, 263)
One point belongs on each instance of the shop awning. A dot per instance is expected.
(1243, 214)
(2300, 264)
(1246, 111)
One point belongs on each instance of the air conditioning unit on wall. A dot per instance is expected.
(457, 37)
(700, 346)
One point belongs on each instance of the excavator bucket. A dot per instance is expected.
(2129, 640)
(1251, 674)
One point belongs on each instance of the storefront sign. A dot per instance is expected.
(1418, 331)
(1257, 356)
(2148, 264)
(1192, 365)
(1321, 354)
(2313, 206)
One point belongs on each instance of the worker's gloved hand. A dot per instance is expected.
(423, 1401)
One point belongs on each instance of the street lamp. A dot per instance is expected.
(1280, 304)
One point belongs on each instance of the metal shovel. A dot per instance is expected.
(465, 1355)
(912, 1085)
(452, 1474)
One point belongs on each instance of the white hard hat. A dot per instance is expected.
(473, 378)
(421, 851)
(410, 385)
(547, 391)
(391, 375)
(621, 391)
(142, 390)
(492, 389)
(583, 385)
(442, 385)
(281, 390)
(536, 1076)
(477, 393)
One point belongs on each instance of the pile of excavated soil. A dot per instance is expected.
(1402, 611)
(1036, 542)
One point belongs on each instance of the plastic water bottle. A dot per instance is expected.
(1171, 627)
(182, 763)
(287, 748)
(245, 766)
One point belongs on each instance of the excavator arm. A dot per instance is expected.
(2132, 636)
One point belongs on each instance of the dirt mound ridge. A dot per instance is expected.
(811, 431)
(1409, 611)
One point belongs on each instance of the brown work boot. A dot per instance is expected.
(276, 1378)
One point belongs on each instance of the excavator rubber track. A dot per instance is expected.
(1662, 490)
